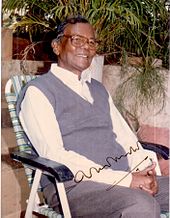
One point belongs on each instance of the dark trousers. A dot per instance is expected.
(92, 200)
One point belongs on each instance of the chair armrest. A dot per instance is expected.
(159, 149)
(52, 168)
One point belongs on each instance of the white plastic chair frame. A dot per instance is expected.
(12, 90)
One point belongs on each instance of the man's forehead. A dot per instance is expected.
(80, 29)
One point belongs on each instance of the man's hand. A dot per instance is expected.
(145, 180)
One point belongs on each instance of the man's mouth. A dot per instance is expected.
(82, 55)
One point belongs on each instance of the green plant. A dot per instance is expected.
(120, 24)
(141, 89)
(144, 84)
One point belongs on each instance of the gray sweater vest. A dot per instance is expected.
(85, 128)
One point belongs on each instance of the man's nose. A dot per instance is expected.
(86, 45)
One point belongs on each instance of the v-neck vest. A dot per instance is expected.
(85, 128)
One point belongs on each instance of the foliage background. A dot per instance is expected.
(126, 29)
(134, 27)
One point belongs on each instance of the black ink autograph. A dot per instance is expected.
(79, 176)
(116, 183)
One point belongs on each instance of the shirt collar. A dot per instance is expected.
(72, 81)
(68, 76)
(86, 76)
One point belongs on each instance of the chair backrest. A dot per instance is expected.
(12, 90)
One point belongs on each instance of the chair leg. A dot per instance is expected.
(63, 200)
(31, 201)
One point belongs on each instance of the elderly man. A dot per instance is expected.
(71, 119)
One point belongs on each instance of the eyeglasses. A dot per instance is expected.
(79, 41)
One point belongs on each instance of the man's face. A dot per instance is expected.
(75, 58)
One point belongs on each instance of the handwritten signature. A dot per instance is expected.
(116, 183)
(80, 175)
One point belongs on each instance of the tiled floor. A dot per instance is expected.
(13, 179)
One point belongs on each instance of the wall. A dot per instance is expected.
(11, 67)
(153, 126)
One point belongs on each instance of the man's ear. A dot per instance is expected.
(56, 47)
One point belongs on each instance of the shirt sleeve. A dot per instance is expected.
(127, 138)
(39, 122)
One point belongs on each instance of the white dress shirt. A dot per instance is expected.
(40, 124)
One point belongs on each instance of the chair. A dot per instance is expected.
(35, 166)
